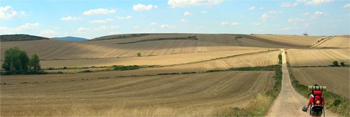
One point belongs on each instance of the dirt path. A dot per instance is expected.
(289, 102)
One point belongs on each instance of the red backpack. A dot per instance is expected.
(317, 100)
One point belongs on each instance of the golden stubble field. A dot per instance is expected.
(317, 57)
(203, 94)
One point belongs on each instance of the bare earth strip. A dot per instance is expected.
(336, 79)
(289, 102)
(205, 94)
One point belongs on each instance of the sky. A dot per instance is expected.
(95, 18)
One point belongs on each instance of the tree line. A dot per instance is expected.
(17, 61)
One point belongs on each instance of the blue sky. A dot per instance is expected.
(94, 18)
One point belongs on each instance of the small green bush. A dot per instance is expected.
(335, 63)
(138, 54)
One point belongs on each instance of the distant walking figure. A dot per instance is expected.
(316, 102)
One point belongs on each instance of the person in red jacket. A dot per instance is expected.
(316, 103)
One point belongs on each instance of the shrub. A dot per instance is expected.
(85, 71)
(138, 54)
(335, 63)
(342, 64)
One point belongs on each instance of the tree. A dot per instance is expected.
(23, 61)
(335, 63)
(138, 54)
(34, 62)
(342, 64)
(15, 60)
(11, 59)
(305, 34)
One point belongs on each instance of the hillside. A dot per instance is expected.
(69, 38)
(20, 37)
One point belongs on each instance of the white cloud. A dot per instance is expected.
(82, 29)
(288, 4)
(187, 13)
(141, 7)
(99, 11)
(251, 8)
(187, 3)
(225, 23)
(114, 26)
(256, 24)
(228, 23)
(101, 21)
(70, 18)
(27, 26)
(347, 6)
(204, 12)
(8, 12)
(127, 17)
(153, 24)
(136, 27)
(5, 30)
(316, 2)
(200, 27)
(48, 33)
(290, 28)
(306, 14)
(295, 20)
(275, 12)
(307, 24)
(183, 20)
(235, 23)
(264, 17)
(103, 28)
(318, 13)
(167, 26)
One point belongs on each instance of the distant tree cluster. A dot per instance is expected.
(18, 61)
(335, 63)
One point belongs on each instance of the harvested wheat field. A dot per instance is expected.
(317, 57)
(149, 60)
(254, 59)
(336, 79)
(205, 94)
(337, 42)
